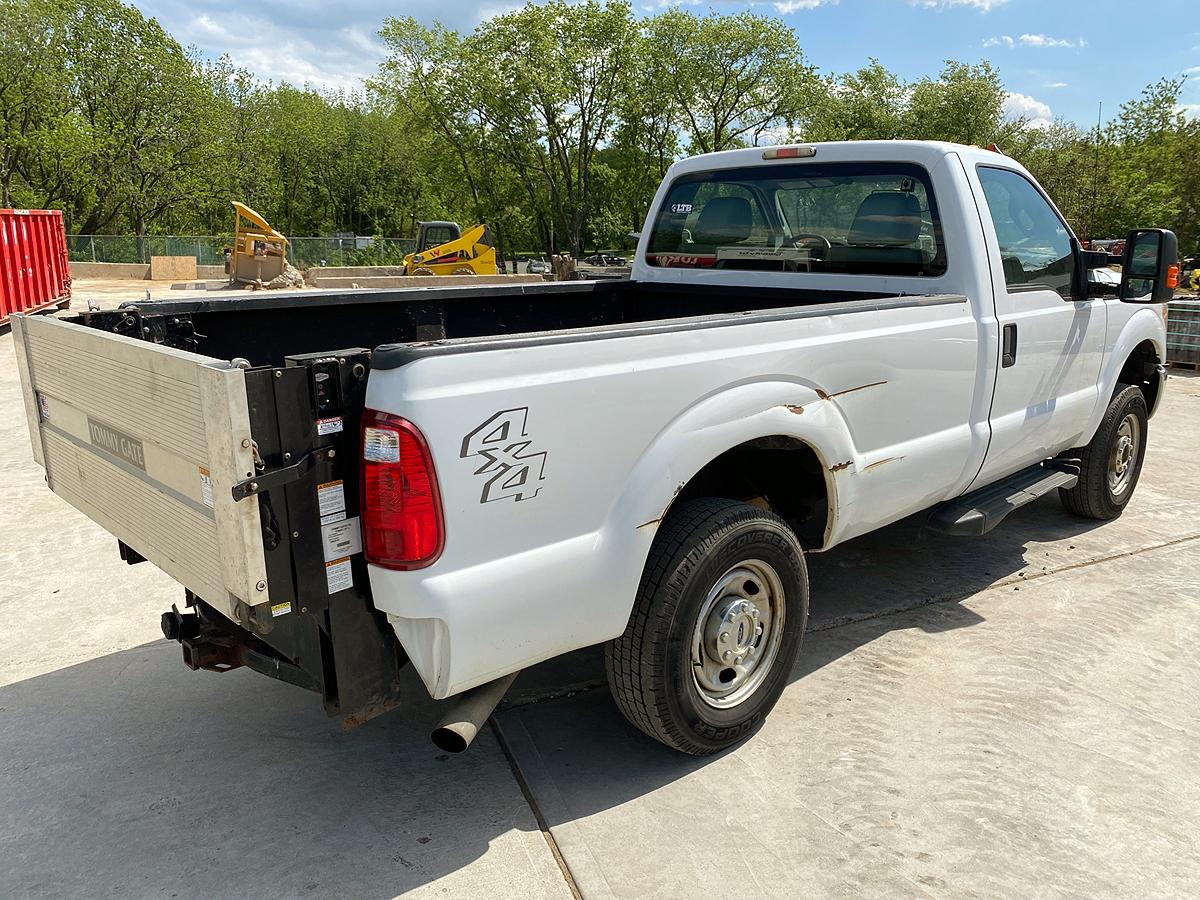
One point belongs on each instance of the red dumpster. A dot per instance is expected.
(33, 261)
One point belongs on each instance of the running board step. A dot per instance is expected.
(980, 511)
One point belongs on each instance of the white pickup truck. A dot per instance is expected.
(816, 341)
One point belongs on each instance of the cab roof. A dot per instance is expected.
(925, 153)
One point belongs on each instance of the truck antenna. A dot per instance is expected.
(1095, 171)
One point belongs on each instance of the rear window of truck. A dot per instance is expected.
(852, 218)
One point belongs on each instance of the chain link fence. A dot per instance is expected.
(209, 250)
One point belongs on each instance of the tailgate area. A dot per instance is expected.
(238, 481)
(148, 441)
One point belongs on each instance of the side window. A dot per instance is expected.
(1035, 246)
(438, 234)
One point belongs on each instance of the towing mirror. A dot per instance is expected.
(1150, 266)
(1094, 276)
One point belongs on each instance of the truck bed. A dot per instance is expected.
(264, 329)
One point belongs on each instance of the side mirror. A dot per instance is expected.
(1093, 278)
(1150, 266)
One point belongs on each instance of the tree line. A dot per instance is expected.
(553, 123)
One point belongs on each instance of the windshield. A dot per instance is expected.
(858, 218)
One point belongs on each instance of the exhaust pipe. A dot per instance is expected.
(471, 709)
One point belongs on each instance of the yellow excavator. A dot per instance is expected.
(445, 249)
(259, 252)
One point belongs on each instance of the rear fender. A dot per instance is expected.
(462, 628)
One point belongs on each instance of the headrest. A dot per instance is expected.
(723, 220)
(887, 219)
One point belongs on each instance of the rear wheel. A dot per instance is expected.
(1112, 461)
(716, 627)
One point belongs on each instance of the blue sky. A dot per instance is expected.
(1057, 58)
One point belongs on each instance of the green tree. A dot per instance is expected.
(964, 104)
(869, 104)
(731, 79)
(38, 135)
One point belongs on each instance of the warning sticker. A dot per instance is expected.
(331, 500)
(281, 609)
(338, 575)
(206, 492)
(329, 426)
(341, 538)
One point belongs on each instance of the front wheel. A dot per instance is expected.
(1112, 461)
(716, 627)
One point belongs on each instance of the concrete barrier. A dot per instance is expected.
(421, 281)
(132, 271)
(351, 272)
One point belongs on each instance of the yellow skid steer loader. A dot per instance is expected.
(444, 249)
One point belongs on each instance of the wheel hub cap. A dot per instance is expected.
(732, 630)
(737, 634)
(1124, 454)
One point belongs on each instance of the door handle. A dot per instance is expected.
(1009, 352)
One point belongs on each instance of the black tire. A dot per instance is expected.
(650, 666)
(1094, 497)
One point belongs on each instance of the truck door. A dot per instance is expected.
(1051, 346)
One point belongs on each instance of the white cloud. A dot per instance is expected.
(1193, 70)
(984, 6)
(1191, 110)
(1042, 40)
(786, 7)
(1057, 84)
(331, 46)
(1034, 40)
(1021, 106)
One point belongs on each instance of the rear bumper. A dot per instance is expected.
(463, 627)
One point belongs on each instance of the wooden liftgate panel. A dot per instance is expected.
(148, 442)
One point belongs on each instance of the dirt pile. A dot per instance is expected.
(290, 277)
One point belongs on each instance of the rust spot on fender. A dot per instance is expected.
(841, 465)
(861, 387)
(793, 409)
(882, 462)
(821, 395)
(679, 487)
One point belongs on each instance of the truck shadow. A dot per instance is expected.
(129, 773)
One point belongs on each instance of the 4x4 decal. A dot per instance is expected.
(501, 445)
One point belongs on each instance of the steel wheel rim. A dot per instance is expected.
(737, 634)
(1122, 459)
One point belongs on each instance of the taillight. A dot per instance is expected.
(401, 508)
